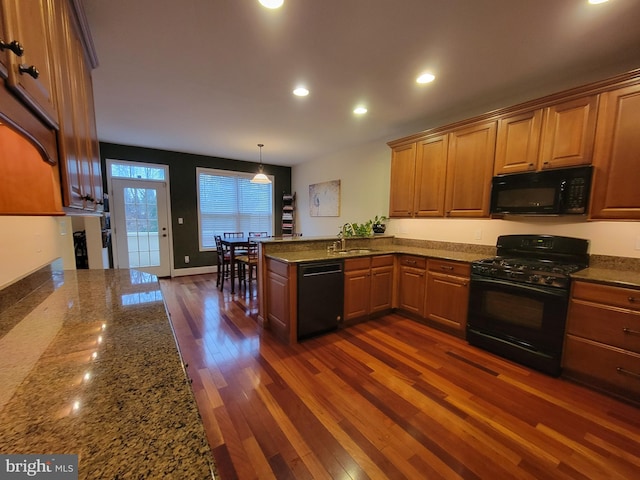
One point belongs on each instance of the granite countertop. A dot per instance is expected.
(89, 366)
(312, 255)
(609, 276)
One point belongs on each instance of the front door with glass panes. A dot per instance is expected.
(140, 221)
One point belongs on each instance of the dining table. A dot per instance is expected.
(234, 244)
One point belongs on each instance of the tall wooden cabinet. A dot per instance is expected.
(80, 169)
(617, 156)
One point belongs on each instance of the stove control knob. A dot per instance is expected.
(535, 278)
(548, 280)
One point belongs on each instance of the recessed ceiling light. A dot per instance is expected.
(596, 2)
(301, 92)
(426, 78)
(271, 3)
(360, 110)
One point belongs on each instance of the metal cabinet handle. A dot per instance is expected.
(445, 267)
(14, 46)
(630, 332)
(31, 70)
(410, 262)
(632, 299)
(624, 371)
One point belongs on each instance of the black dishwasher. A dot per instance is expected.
(320, 297)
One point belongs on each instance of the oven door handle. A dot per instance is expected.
(558, 292)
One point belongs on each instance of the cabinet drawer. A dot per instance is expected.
(450, 268)
(381, 261)
(280, 268)
(413, 261)
(605, 367)
(607, 294)
(360, 263)
(615, 326)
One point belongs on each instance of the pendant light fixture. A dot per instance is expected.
(260, 176)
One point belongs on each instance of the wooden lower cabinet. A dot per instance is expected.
(602, 343)
(412, 273)
(368, 286)
(447, 295)
(281, 299)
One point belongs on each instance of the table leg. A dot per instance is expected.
(232, 259)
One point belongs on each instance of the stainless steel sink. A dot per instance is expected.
(355, 251)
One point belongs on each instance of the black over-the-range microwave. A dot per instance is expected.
(563, 191)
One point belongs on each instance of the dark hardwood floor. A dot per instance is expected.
(390, 398)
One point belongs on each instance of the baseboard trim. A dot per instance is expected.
(182, 272)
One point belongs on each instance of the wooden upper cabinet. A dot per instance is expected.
(4, 59)
(568, 133)
(403, 167)
(80, 159)
(469, 170)
(518, 142)
(31, 74)
(558, 136)
(617, 156)
(430, 177)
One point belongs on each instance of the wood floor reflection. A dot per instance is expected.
(390, 398)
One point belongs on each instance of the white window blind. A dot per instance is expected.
(229, 202)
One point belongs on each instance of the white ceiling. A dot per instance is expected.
(215, 77)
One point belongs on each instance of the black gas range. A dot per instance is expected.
(518, 299)
(535, 259)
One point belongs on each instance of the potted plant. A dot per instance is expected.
(378, 224)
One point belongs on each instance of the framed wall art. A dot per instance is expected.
(324, 199)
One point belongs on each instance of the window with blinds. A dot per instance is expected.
(229, 202)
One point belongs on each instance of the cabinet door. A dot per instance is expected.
(381, 289)
(568, 133)
(31, 75)
(469, 170)
(412, 284)
(356, 293)
(447, 300)
(616, 153)
(518, 142)
(278, 307)
(403, 166)
(430, 177)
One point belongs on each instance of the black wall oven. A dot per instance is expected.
(518, 300)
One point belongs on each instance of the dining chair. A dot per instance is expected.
(224, 262)
(247, 264)
(233, 234)
(258, 234)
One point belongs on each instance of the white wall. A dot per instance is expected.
(365, 178)
(29, 243)
(364, 187)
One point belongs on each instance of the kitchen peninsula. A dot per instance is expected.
(90, 367)
(279, 260)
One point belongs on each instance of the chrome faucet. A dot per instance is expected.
(343, 241)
